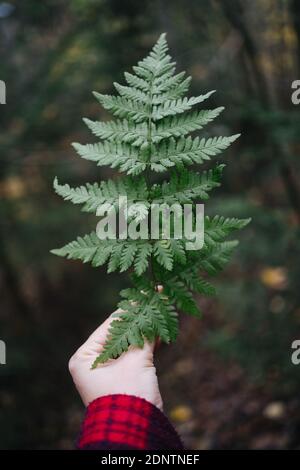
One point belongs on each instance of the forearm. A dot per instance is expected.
(118, 422)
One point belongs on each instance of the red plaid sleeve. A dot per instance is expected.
(126, 422)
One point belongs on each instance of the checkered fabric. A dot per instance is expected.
(126, 422)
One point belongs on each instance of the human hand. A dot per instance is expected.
(133, 373)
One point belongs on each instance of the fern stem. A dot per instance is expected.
(147, 176)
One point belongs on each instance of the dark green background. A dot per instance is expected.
(228, 382)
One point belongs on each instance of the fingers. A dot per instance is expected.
(95, 342)
(102, 330)
(149, 347)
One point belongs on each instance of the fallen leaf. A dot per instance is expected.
(181, 413)
(275, 278)
(274, 410)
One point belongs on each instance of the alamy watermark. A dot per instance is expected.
(295, 97)
(2, 92)
(2, 353)
(153, 221)
(295, 357)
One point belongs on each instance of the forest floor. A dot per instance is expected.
(214, 405)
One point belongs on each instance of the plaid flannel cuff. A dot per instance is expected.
(126, 422)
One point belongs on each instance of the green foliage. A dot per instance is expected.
(146, 314)
(150, 136)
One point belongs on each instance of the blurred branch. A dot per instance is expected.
(39, 90)
(234, 12)
(295, 14)
(12, 283)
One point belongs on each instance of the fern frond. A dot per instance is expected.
(127, 257)
(119, 131)
(116, 155)
(163, 253)
(173, 93)
(178, 250)
(177, 106)
(120, 254)
(124, 107)
(88, 248)
(169, 82)
(186, 151)
(152, 67)
(114, 262)
(137, 134)
(144, 315)
(160, 48)
(93, 195)
(187, 186)
(132, 94)
(179, 294)
(137, 82)
(178, 126)
(194, 282)
(142, 256)
(213, 259)
(150, 134)
(219, 227)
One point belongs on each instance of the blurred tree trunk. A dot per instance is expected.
(295, 15)
(11, 282)
(234, 11)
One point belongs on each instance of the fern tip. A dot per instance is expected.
(99, 360)
(57, 252)
(234, 137)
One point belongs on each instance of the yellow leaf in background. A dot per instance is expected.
(275, 278)
(274, 410)
(13, 187)
(181, 413)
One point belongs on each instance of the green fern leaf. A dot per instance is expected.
(145, 315)
(119, 131)
(87, 249)
(137, 82)
(123, 107)
(116, 155)
(163, 253)
(218, 228)
(151, 135)
(177, 106)
(213, 259)
(93, 195)
(186, 151)
(187, 186)
(141, 259)
(127, 257)
(178, 126)
(179, 294)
